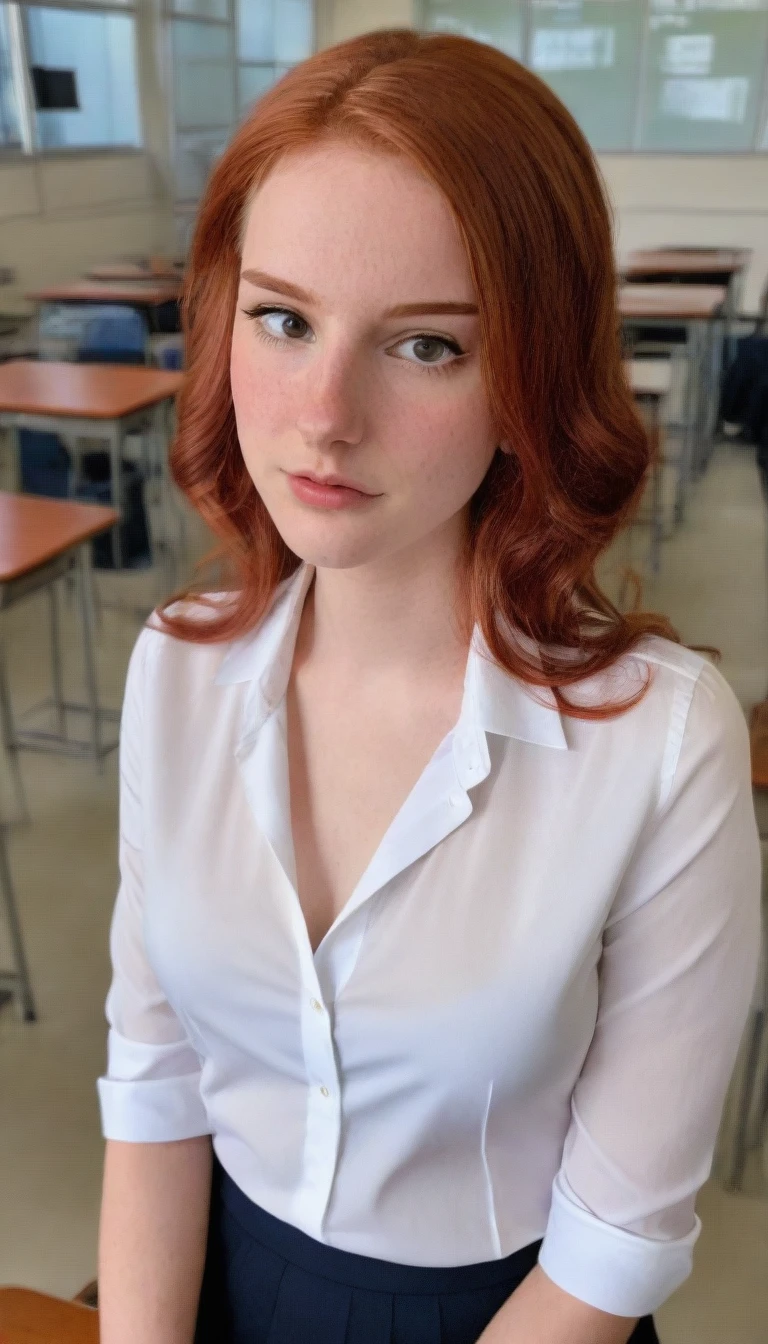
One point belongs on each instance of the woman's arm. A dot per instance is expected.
(538, 1312)
(154, 1221)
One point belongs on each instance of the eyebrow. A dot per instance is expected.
(278, 286)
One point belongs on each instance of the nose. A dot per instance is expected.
(330, 401)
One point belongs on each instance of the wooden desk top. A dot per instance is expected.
(728, 261)
(140, 294)
(34, 530)
(85, 391)
(681, 302)
(29, 1317)
(649, 377)
(130, 271)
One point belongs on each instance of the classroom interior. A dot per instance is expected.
(111, 116)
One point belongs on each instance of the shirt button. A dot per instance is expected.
(455, 799)
(318, 1007)
(324, 1092)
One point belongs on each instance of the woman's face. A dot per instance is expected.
(356, 355)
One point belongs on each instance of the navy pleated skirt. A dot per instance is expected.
(265, 1282)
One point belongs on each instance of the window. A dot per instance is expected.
(100, 49)
(500, 25)
(652, 75)
(706, 62)
(68, 75)
(10, 129)
(590, 55)
(224, 55)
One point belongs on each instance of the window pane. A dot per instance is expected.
(101, 50)
(705, 67)
(496, 22)
(253, 80)
(195, 154)
(590, 54)
(274, 30)
(10, 134)
(203, 75)
(205, 9)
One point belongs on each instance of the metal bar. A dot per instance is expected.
(88, 658)
(56, 670)
(21, 978)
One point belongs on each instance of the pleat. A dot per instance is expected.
(370, 1317)
(464, 1316)
(309, 1308)
(416, 1319)
(251, 1292)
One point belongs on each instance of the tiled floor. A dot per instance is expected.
(713, 586)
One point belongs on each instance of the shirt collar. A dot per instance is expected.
(498, 702)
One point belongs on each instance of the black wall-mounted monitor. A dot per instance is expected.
(55, 90)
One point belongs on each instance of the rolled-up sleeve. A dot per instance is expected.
(676, 976)
(151, 1090)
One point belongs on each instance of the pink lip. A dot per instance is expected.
(327, 492)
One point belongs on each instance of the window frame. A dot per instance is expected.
(30, 150)
(171, 15)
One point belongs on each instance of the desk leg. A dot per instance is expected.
(17, 943)
(8, 730)
(56, 673)
(690, 417)
(83, 562)
(116, 473)
(656, 488)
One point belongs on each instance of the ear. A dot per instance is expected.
(505, 447)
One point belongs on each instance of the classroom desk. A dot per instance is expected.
(131, 271)
(93, 401)
(42, 541)
(696, 308)
(147, 296)
(29, 1317)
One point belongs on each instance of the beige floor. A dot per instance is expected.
(713, 586)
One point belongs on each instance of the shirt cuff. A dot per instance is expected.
(151, 1093)
(606, 1266)
(157, 1110)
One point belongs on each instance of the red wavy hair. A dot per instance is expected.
(526, 193)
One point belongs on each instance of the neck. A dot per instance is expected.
(396, 615)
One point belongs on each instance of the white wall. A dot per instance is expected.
(717, 199)
(59, 215)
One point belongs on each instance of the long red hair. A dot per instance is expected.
(527, 196)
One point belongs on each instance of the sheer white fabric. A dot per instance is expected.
(523, 1022)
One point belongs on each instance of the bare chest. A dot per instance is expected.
(351, 768)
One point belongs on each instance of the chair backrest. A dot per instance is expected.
(113, 335)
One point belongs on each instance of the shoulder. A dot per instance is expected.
(687, 717)
(160, 657)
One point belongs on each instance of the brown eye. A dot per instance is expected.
(282, 322)
(428, 349)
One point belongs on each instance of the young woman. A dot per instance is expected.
(438, 919)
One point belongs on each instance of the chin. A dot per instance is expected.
(331, 543)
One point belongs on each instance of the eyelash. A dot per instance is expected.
(264, 309)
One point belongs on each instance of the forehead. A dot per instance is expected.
(364, 225)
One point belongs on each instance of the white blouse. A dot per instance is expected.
(522, 1024)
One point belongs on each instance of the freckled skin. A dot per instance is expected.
(346, 389)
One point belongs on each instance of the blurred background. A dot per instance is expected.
(111, 115)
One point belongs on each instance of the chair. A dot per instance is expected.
(113, 335)
(29, 1317)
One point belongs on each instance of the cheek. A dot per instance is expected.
(257, 388)
(445, 443)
